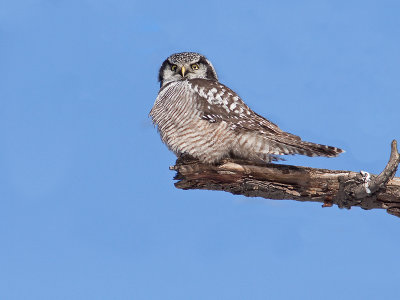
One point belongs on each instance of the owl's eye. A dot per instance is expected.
(195, 66)
(173, 67)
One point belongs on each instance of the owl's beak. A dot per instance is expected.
(183, 71)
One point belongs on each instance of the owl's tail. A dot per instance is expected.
(252, 146)
(301, 147)
(309, 149)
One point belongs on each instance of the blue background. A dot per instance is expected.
(88, 209)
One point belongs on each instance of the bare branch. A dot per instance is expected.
(381, 180)
(274, 181)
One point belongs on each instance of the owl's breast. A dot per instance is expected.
(183, 128)
(174, 105)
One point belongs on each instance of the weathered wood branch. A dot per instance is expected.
(275, 181)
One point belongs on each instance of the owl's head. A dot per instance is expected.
(186, 65)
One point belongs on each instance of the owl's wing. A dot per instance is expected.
(219, 103)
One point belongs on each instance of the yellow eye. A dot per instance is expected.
(195, 66)
(173, 67)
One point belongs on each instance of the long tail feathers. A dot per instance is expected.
(312, 149)
(284, 147)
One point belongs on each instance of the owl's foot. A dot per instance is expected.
(185, 158)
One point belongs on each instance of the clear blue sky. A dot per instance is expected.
(88, 209)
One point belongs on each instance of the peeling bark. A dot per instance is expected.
(275, 181)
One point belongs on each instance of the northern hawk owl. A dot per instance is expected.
(198, 116)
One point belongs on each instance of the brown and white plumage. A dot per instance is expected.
(199, 116)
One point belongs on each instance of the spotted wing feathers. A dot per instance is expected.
(218, 103)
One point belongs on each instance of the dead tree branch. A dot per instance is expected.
(275, 181)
